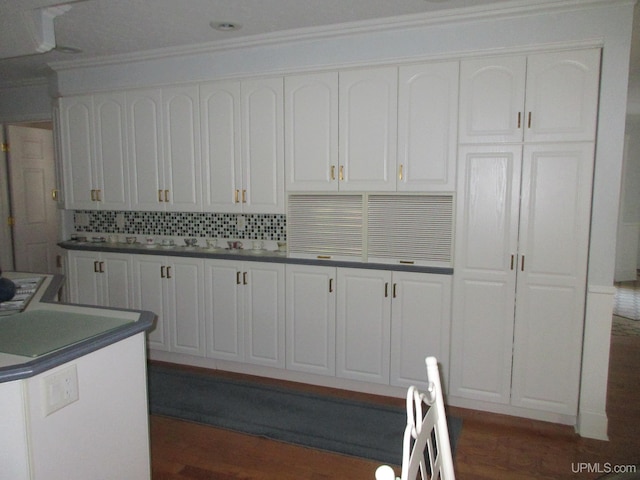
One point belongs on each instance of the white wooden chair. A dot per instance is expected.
(426, 451)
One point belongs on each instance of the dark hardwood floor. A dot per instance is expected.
(490, 447)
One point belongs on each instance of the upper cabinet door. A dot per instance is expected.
(427, 127)
(221, 152)
(562, 96)
(144, 118)
(311, 132)
(263, 146)
(492, 99)
(112, 165)
(368, 113)
(77, 146)
(182, 167)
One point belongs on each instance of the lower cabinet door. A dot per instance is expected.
(149, 287)
(223, 310)
(184, 292)
(311, 319)
(420, 325)
(264, 323)
(363, 325)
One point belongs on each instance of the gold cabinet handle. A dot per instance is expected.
(333, 172)
(101, 267)
(237, 193)
(168, 272)
(162, 272)
(244, 278)
(341, 174)
(244, 196)
(512, 260)
(395, 285)
(529, 120)
(96, 267)
(238, 281)
(166, 195)
(519, 119)
(54, 194)
(93, 195)
(386, 289)
(98, 195)
(160, 196)
(522, 264)
(331, 285)
(400, 172)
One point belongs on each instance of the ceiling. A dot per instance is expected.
(116, 27)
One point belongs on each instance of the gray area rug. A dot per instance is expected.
(338, 425)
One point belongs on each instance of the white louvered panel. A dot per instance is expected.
(325, 225)
(410, 229)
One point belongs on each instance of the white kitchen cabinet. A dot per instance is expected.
(545, 97)
(363, 325)
(520, 274)
(311, 319)
(220, 112)
(427, 127)
(94, 152)
(243, 145)
(172, 288)
(181, 136)
(311, 132)
(245, 318)
(146, 156)
(101, 279)
(368, 128)
(420, 326)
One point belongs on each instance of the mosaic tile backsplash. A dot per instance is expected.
(206, 225)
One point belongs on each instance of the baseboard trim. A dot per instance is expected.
(593, 425)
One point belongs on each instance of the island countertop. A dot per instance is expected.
(31, 343)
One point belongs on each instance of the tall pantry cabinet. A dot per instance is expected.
(525, 166)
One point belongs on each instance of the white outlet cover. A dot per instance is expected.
(60, 389)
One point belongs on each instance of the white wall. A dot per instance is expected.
(25, 103)
(599, 23)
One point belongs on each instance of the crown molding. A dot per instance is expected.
(505, 10)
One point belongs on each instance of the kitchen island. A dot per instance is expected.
(73, 397)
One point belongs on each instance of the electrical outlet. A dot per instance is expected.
(240, 222)
(60, 389)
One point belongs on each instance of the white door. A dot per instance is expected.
(181, 136)
(552, 267)
(144, 134)
(33, 204)
(111, 161)
(311, 319)
(368, 114)
(420, 326)
(427, 127)
(484, 272)
(185, 305)
(149, 285)
(223, 310)
(562, 96)
(262, 146)
(78, 152)
(311, 132)
(363, 325)
(264, 315)
(221, 146)
(492, 99)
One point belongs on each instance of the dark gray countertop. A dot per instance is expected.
(245, 255)
(17, 367)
